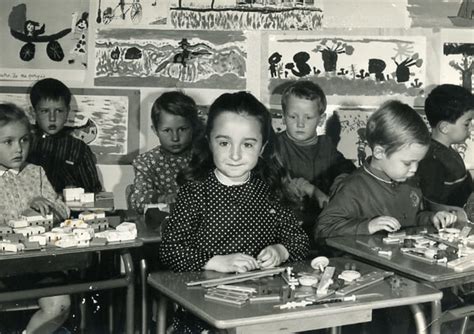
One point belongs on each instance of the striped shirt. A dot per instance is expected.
(18, 189)
(67, 161)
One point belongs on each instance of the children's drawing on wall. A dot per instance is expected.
(129, 13)
(457, 64)
(107, 120)
(36, 38)
(353, 143)
(165, 58)
(79, 51)
(247, 14)
(348, 65)
(436, 13)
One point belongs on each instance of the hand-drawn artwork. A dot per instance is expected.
(436, 14)
(140, 57)
(106, 119)
(247, 14)
(459, 57)
(353, 144)
(348, 65)
(80, 49)
(27, 31)
(131, 13)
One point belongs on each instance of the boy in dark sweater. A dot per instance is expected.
(67, 161)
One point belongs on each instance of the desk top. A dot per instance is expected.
(438, 274)
(173, 285)
(104, 201)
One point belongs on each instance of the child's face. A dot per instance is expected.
(14, 145)
(236, 143)
(302, 118)
(459, 131)
(175, 132)
(51, 115)
(401, 164)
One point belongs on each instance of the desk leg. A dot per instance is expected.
(143, 272)
(161, 314)
(335, 330)
(436, 317)
(129, 274)
(420, 320)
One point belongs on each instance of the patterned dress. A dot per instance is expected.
(18, 189)
(155, 176)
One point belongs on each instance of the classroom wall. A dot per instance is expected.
(402, 27)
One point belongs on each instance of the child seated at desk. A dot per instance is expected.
(443, 175)
(67, 161)
(382, 195)
(229, 215)
(23, 186)
(175, 121)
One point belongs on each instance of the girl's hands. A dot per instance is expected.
(272, 256)
(383, 223)
(237, 262)
(42, 205)
(443, 219)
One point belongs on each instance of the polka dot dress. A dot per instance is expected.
(155, 176)
(214, 219)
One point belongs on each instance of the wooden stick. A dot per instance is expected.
(237, 277)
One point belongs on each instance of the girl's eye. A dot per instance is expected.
(223, 143)
(44, 111)
(248, 145)
(7, 142)
(183, 129)
(60, 111)
(25, 140)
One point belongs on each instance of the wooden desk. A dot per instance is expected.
(264, 318)
(104, 201)
(439, 276)
(13, 260)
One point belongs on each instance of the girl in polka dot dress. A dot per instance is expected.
(230, 214)
(175, 121)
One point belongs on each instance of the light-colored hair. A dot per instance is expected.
(394, 125)
(10, 113)
(307, 90)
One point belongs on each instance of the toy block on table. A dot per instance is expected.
(77, 195)
(5, 230)
(30, 230)
(34, 218)
(31, 245)
(14, 247)
(74, 223)
(41, 239)
(17, 223)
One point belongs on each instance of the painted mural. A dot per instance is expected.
(43, 37)
(445, 13)
(170, 58)
(129, 13)
(348, 65)
(106, 119)
(247, 14)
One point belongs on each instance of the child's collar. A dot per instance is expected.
(377, 174)
(228, 182)
(307, 142)
(10, 170)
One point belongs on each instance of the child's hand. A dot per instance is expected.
(42, 205)
(237, 262)
(294, 188)
(382, 223)
(321, 197)
(272, 256)
(443, 219)
(304, 186)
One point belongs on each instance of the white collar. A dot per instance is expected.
(13, 171)
(228, 182)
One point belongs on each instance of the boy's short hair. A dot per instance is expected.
(175, 103)
(49, 89)
(447, 103)
(307, 90)
(10, 112)
(394, 125)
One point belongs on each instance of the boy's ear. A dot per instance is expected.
(378, 152)
(443, 127)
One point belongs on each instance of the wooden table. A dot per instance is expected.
(62, 258)
(264, 317)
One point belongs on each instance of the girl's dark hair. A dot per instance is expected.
(49, 89)
(394, 125)
(268, 168)
(179, 104)
(9, 113)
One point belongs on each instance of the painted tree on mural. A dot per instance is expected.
(465, 66)
(330, 50)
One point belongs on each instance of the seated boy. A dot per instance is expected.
(314, 164)
(67, 161)
(442, 173)
(24, 186)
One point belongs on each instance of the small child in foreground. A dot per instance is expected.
(175, 121)
(382, 195)
(229, 215)
(23, 186)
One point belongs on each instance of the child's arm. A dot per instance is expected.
(301, 187)
(50, 199)
(432, 176)
(272, 256)
(87, 170)
(291, 237)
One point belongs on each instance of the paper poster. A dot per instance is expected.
(131, 13)
(437, 14)
(247, 15)
(348, 65)
(105, 119)
(456, 59)
(44, 38)
(171, 58)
